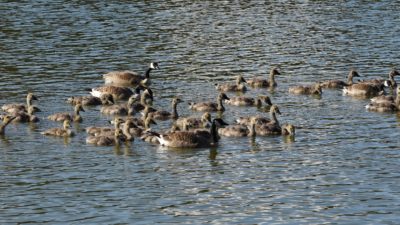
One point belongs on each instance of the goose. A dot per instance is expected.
(118, 93)
(16, 107)
(238, 86)
(210, 106)
(271, 128)
(288, 130)
(194, 122)
(191, 139)
(260, 82)
(165, 115)
(383, 82)
(315, 89)
(25, 117)
(95, 131)
(6, 120)
(364, 89)
(339, 83)
(105, 99)
(107, 140)
(61, 132)
(76, 117)
(385, 103)
(238, 130)
(127, 77)
(248, 101)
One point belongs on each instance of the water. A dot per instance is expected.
(342, 167)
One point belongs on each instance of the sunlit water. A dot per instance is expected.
(342, 167)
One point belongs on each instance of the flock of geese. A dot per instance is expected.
(126, 94)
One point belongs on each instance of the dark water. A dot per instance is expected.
(342, 168)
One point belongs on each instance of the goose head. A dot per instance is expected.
(222, 96)
(274, 71)
(240, 79)
(154, 66)
(266, 99)
(275, 109)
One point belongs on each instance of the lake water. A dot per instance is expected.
(342, 167)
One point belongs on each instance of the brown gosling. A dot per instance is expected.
(26, 117)
(210, 106)
(107, 140)
(106, 99)
(194, 122)
(339, 83)
(273, 127)
(315, 89)
(385, 103)
(76, 117)
(248, 101)
(238, 86)
(95, 131)
(65, 131)
(191, 139)
(129, 77)
(365, 88)
(166, 115)
(263, 83)
(6, 120)
(239, 130)
(16, 107)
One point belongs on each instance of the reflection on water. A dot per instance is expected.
(341, 166)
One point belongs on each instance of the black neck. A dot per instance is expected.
(147, 75)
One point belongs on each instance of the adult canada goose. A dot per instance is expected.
(191, 139)
(6, 120)
(166, 115)
(339, 83)
(26, 117)
(62, 132)
(17, 107)
(238, 130)
(315, 89)
(273, 127)
(262, 83)
(238, 86)
(385, 103)
(118, 93)
(127, 77)
(248, 101)
(105, 99)
(210, 106)
(76, 117)
(288, 129)
(383, 82)
(194, 122)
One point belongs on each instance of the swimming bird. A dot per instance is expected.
(288, 130)
(315, 89)
(385, 103)
(238, 86)
(238, 130)
(95, 131)
(248, 101)
(105, 99)
(191, 139)
(76, 117)
(165, 115)
(6, 120)
(17, 107)
(272, 127)
(26, 117)
(128, 77)
(194, 122)
(118, 93)
(107, 140)
(262, 83)
(65, 131)
(339, 83)
(210, 106)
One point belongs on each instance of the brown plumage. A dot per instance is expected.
(339, 83)
(315, 89)
(194, 122)
(262, 83)
(61, 132)
(6, 120)
(76, 117)
(166, 115)
(248, 101)
(17, 107)
(385, 103)
(238, 86)
(238, 130)
(210, 106)
(118, 93)
(105, 99)
(129, 77)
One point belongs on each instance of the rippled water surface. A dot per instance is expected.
(342, 167)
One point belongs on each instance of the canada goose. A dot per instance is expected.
(129, 77)
(273, 127)
(25, 117)
(191, 139)
(105, 99)
(210, 106)
(247, 120)
(238, 86)
(95, 131)
(76, 117)
(6, 120)
(16, 107)
(288, 130)
(106, 140)
(165, 115)
(259, 82)
(248, 101)
(118, 93)
(315, 89)
(115, 110)
(385, 103)
(62, 132)
(339, 83)
(194, 122)
(238, 130)
(364, 89)
(383, 82)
